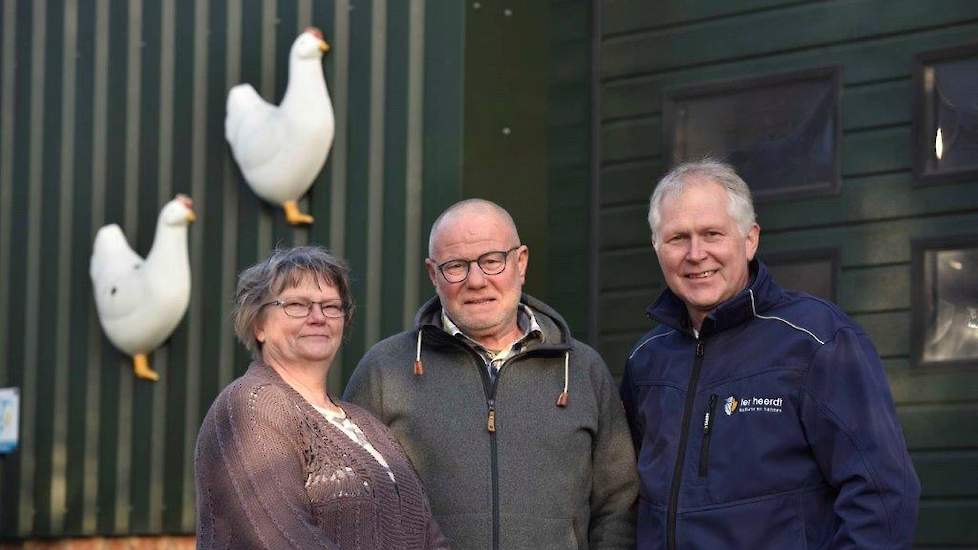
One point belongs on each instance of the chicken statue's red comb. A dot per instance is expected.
(185, 200)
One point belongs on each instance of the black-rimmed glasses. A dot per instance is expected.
(300, 309)
(491, 263)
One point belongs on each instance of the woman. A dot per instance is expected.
(279, 463)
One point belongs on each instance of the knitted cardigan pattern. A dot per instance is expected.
(272, 472)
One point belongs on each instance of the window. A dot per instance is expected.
(946, 115)
(945, 301)
(780, 132)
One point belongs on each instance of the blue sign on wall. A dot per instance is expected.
(9, 418)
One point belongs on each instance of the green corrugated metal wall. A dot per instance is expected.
(646, 50)
(108, 108)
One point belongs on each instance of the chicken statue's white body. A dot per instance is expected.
(140, 302)
(281, 149)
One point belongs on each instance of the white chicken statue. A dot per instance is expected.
(280, 149)
(140, 302)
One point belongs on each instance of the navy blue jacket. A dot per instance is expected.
(774, 429)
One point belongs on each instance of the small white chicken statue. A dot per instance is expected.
(140, 302)
(281, 149)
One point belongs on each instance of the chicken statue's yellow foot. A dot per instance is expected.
(140, 366)
(293, 215)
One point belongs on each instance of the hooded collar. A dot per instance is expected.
(555, 333)
(525, 319)
(555, 340)
(761, 294)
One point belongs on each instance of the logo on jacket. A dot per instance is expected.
(761, 404)
(730, 405)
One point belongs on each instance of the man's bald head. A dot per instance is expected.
(472, 207)
(483, 303)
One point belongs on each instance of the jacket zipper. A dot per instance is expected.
(708, 420)
(489, 385)
(677, 474)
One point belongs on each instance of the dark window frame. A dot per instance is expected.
(833, 254)
(921, 131)
(832, 74)
(918, 322)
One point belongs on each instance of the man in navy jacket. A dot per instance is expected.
(762, 417)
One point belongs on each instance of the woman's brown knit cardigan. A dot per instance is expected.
(273, 473)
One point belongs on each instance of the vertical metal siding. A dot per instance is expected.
(33, 257)
(412, 177)
(98, 185)
(336, 165)
(108, 108)
(65, 255)
(6, 163)
(375, 172)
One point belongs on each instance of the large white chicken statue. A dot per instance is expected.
(140, 302)
(280, 149)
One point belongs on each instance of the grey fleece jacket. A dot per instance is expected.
(548, 476)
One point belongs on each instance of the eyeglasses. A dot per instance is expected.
(491, 263)
(299, 309)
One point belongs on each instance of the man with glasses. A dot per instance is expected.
(514, 427)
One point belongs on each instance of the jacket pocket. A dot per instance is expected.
(708, 420)
(769, 523)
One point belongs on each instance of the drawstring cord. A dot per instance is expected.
(418, 366)
(563, 397)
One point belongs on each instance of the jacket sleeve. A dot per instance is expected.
(614, 487)
(259, 472)
(851, 425)
(436, 540)
(626, 391)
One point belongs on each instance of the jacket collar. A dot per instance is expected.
(760, 295)
(556, 334)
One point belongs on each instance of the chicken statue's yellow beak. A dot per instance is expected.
(191, 217)
(323, 46)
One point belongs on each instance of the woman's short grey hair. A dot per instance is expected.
(740, 205)
(285, 267)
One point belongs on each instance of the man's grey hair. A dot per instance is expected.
(262, 282)
(481, 205)
(740, 205)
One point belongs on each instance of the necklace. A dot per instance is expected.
(307, 393)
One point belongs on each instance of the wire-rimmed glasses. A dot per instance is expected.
(300, 308)
(491, 263)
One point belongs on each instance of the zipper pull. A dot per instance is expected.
(707, 428)
(491, 423)
(699, 348)
(708, 418)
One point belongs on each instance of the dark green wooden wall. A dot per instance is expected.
(569, 164)
(649, 48)
(108, 108)
(505, 149)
